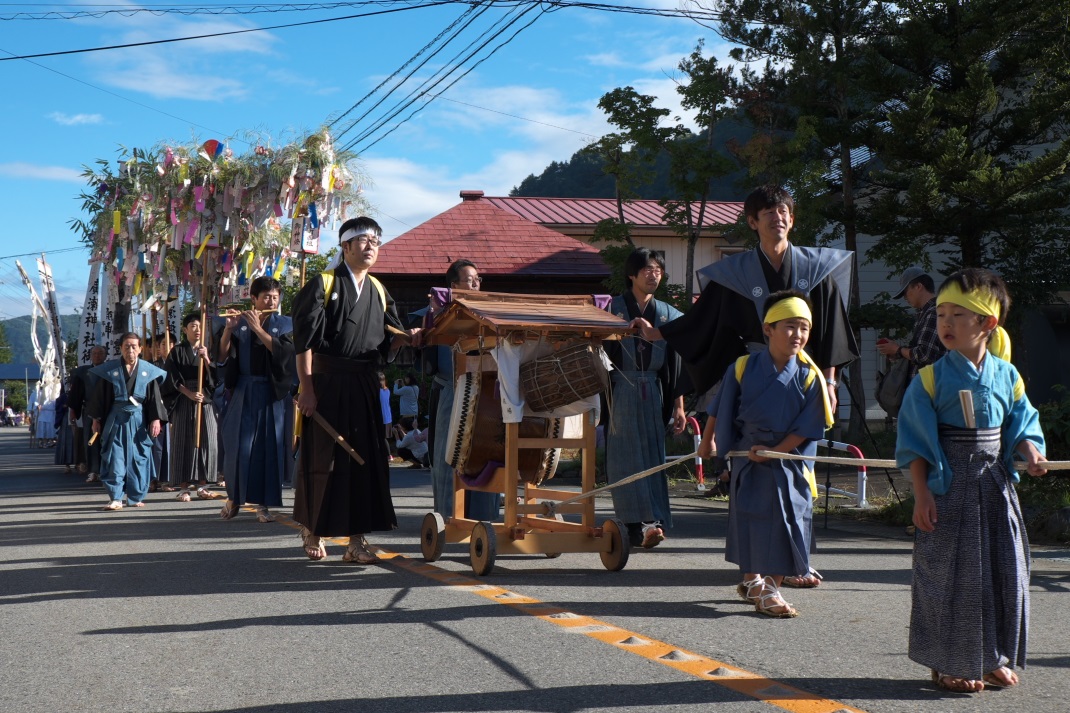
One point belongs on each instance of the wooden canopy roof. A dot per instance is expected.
(492, 315)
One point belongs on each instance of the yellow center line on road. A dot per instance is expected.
(741, 681)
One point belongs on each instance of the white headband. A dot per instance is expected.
(346, 237)
(355, 233)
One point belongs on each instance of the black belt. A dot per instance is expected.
(327, 364)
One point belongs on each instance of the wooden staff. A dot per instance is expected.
(166, 326)
(297, 411)
(155, 323)
(336, 436)
(200, 362)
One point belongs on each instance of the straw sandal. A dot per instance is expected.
(956, 684)
(113, 506)
(743, 589)
(803, 581)
(315, 549)
(264, 515)
(993, 681)
(230, 509)
(183, 497)
(771, 604)
(359, 553)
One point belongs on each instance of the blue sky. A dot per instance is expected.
(286, 82)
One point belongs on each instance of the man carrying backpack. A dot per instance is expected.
(340, 335)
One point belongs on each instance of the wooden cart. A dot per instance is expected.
(475, 322)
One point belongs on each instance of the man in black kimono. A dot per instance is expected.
(725, 322)
(340, 322)
(257, 355)
(87, 456)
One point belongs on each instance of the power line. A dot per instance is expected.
(514, 116)
(450, 66)
(148, 43)
(420, 93)
(433, 42)
(35, 253)
(277, 8)
(120, 96)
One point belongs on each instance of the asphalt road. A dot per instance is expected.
(168, 608)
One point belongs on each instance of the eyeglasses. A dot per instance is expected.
(651, 270)
(368, 240)
(470, 281)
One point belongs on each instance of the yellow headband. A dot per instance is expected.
(979, 301)
(788, 308)
(985, 304)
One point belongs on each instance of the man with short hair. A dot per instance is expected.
(725, 323)
(127, 412)
(917, 288)
(478, 505)
(340, 334)
(643, 399)
(257, 353)
(82, 382)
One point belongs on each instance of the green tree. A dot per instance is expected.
(6, 357)
(975, 151)
(694, 161)
(15, 393)
(813, 105)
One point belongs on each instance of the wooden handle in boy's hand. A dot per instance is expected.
(966, 399)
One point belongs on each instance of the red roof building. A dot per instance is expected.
(577, 217)
(512, 253)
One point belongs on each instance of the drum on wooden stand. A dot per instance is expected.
(570, 374)
(476, 440)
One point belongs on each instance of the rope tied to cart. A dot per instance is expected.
(550, 507)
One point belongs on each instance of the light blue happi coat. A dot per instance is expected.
(125, 444)
(771, 509)
(636, 437)
(994, 406)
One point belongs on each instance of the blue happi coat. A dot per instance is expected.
(125, 445)
(771, 508)
(999, 401)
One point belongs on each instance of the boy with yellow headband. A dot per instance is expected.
(773, 400)
(970, 588)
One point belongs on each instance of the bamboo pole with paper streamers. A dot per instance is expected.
(200, 362)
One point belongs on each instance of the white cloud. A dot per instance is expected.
(42, 173)
(75, 119)
(162, 78)
(208, 69)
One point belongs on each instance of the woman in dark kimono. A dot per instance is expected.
(192, 463)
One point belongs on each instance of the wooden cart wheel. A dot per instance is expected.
(432, 536)
(482, 548)
(620, 546)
